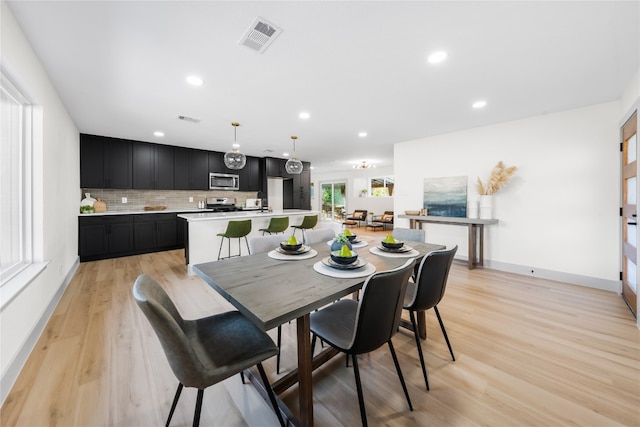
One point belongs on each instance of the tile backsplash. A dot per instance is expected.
(172, 199)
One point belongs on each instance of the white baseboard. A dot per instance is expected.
(559, 276)
(13, 370)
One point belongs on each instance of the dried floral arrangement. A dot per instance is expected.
(500, 175)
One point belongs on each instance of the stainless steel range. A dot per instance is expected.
(222, 204)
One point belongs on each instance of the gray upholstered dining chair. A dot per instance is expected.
(357, 327)
(319, 235)
(261, 244)
(412, 234)
(427, 291)
(204, 351)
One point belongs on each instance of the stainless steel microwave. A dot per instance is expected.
(224, 181)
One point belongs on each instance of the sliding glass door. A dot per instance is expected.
(334, 198)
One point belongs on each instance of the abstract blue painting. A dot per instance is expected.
(446, 196)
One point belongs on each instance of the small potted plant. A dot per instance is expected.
(364, 192)
(340, 240)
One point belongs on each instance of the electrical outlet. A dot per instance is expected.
(190, 199)
(124, 200)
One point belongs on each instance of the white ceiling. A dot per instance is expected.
(120, 68)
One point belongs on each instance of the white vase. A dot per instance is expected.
(486, 207)
(472, 208)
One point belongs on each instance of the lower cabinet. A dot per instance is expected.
(111, 236)
(105, 237)
(155, 232)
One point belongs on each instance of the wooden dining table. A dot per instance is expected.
(272, 292)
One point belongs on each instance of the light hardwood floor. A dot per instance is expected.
(528, 352)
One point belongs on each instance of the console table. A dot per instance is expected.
(475, 232)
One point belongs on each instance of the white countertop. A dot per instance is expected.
(208, 216)
(146, 212)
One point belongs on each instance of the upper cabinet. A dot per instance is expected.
(302, 187)
(118, 163)
(216, 162)
(251, 175)
(191, 169)
(105, 162)
(153, 166)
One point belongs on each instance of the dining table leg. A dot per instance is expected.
(305, 384)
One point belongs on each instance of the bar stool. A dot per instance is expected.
(308, 222)
(276, 225)
(236, 229)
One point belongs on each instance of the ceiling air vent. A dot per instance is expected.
(260, 35)
(189, 119)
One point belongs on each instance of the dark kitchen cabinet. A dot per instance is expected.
(111, 236)
(103, 237)
(191, 169)
(216, 162)
(105, 162)
(155, 232)
(287, 194)
(275, 167)
(301, 189)
(153, 166)
(250, 175)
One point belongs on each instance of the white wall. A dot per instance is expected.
(560, 213)
(356, 180)
(56, 201)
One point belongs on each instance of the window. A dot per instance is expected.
(15, 182)
(381, 187)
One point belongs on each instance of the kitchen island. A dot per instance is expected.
(202, 242)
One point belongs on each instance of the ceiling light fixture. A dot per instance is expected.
(158, 133)
(234, 159)
(364, 165)
(362, 134)
(479, 104)
(304, 115)
(437, 57)
(293, 165)
(195, 81)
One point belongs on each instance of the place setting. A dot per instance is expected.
(393, 248)
(344, 263)
(292, 250)
(348, 236)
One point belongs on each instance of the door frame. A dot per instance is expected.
(320, 193)
(628, 213)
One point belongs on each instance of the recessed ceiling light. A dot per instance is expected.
(479, 104)
(304, 115)
(158, 133)
(285, 154)
(362, 134)
(195, 81)
(437, 57)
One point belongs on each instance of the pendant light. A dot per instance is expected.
(293, 165)
(234, 159)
